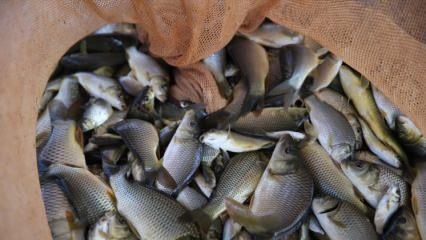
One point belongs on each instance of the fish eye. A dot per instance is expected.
(359, 164)
(146, 99)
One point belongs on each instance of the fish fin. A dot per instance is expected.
(252, 101)
(201, 218)
(243, 215)
(218, 119)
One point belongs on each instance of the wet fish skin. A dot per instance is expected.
(389, 111)
(96, 113)
(343, 105)
(116, 117)
(130, 84)
(386, 154)
(418, 199)
(216, 63)
(63, 146)
(233, 142)
(191, 199)
(270, 120)
(402, 226)
(386, 207)
(252, 60)
(342, 220)
(230, 229)
(328, 178)
(282, 197)
(111, 226)
(152, 214)
(411, 137)
(88, 194)
(61, 105)
(301, 61)
(273, 35)
(43, 128)
(102, 87)
(372, 181)
(326, 71)
(92, 61)
(237, 182)
(51, 88)
(183, 154)
(334, 131)
(149, 72)
(63, 221)
(358, 90)
(315, 46)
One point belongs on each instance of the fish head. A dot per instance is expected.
(406, 129)
(351, 80)
(324, 205)
(189, 126)
(145, 100)
(284, 160)
(160, 87)
(360, 171)
(214, 137)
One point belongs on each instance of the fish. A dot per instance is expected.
(342, 220)
(64, 145)
(209, 155)
(111, 226)
(183, 154)
(141, 138)
(252, 60)
(315, 46)
(402, 226)
(43, 128)
(358, 90)
(216, 63)
(149, 72)
(105, 43)
(334, 131)
(328, 178)
(110, 157)
(215, 230)
(142, 106)
(52, 88)
(238, 181)
(91, 61)
(297, 62)
(282, 197)
(117, 116)
(386, 154)
(87, 193)
(270, 120)
(203, 185)
(106, 139)
(223, 117)
(63, 221)
(230, 229)
(105, 71)
(342, 104)
(410, 136)
(130, 84)
(61, 106)
(324, 74)
(191, 199)
(233, 142)
(166, 134)
(273, 35)
(387, 206)
(96, 113)
(372, 181)
(102, 87)
(314, 225)
(389, 111)
(367, 156)
(418, 198)
(122, 28)
(152, 214)
(231, 70)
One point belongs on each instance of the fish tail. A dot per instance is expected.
(200, 217)
(218, 119)
(252, 101)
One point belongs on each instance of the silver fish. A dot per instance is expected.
(342, 220)
(216, 64)
(51, 88)
(111, 226)
(191, 199)
(88, 194)
(149, 72)
(324, 74)
(96, 113)
(389, 111)
(386, 207)
(152, 214)
(102, 87)
(411, 137)
(334, 132)
(230, 229)
(402, 226)
(68, 94)
(274, 35)
(418, 199)
(43, 128)
(130, 84)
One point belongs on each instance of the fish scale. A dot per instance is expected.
(344, 222)
(62, 146)
(418, 200)
(327, 176)
(87, 193)
(152, 214)
(270, 120)
(141, 138)
(238, 181)
(43, 129)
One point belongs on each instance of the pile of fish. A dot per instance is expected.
(306, 147)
